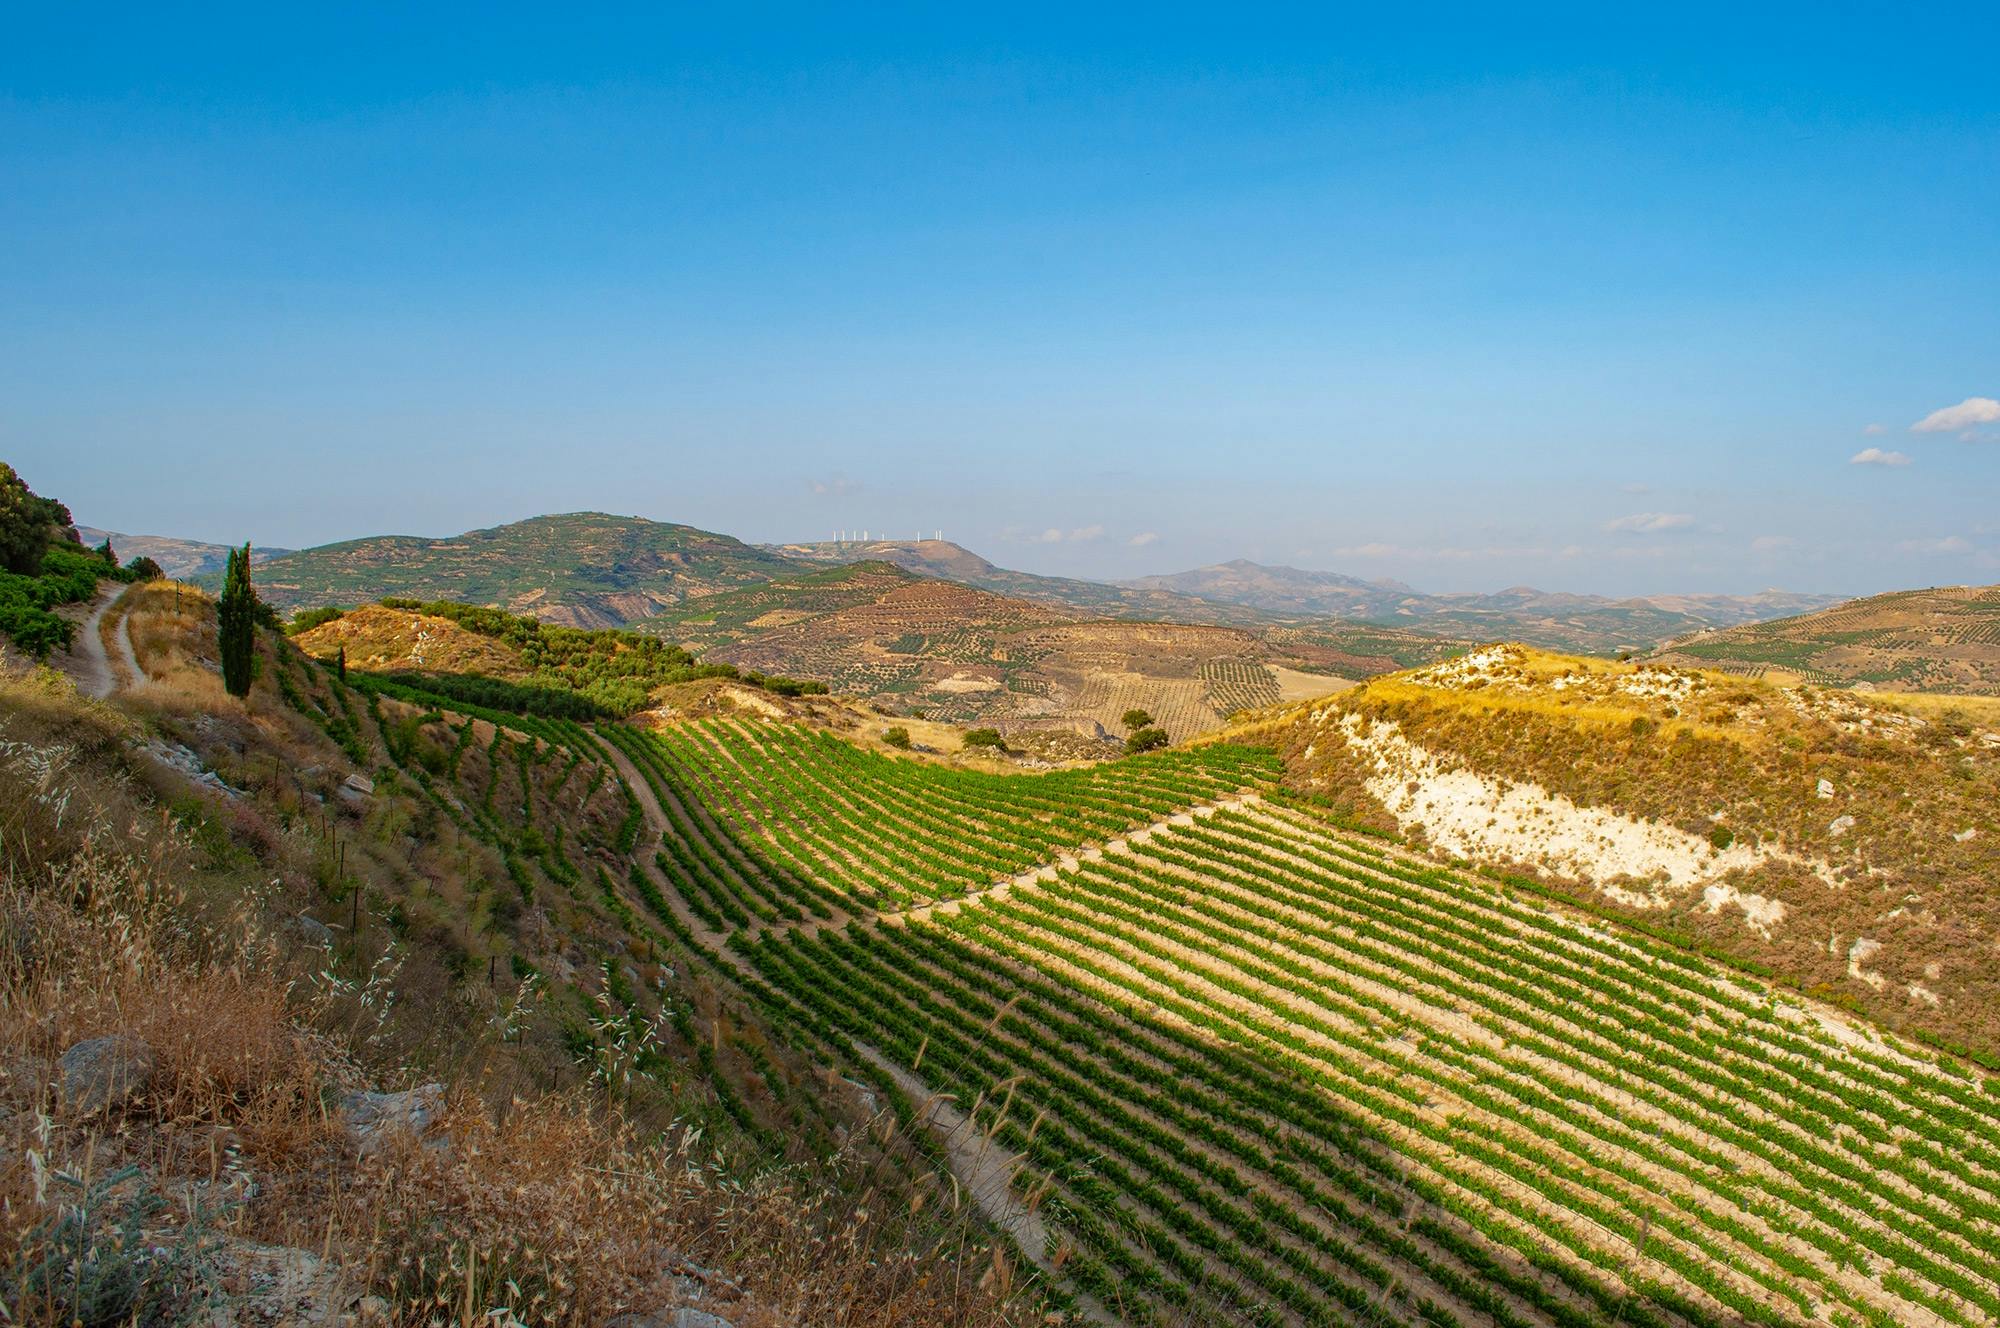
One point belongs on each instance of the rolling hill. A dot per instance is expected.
(581, 569)
(960, 654)
(1939, 640)
(1843, 842)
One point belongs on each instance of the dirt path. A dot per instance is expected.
(86, 661)
(984, 1168)
(656, 819)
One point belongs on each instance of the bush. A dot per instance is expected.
(897, 737)
(307, 619)
(1722, 837)
(1136, 719)
(985, 738)
(1145, 740)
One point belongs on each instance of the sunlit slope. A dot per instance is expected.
(1844, 842)
(1946, 639)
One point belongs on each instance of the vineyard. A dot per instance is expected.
(774, 822)
(1262, 1073)
(1256, 1070)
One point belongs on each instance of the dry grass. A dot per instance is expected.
(117, 917)
(1902, 851)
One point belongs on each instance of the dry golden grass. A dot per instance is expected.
(118, 918)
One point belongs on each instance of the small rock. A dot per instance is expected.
(1841, 825)
(1964, 835)
(1826, 788)
(373, 1120)
(103, 1072)
(313, 932)
(359, 783)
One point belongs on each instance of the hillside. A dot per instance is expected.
(361, 1009)
(583, 569)
(1847, 844)
(1589, 624)
(958, 654)
(180, 559)
(843, 1035)
(1939, 640)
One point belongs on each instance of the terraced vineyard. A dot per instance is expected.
(1254, 1070)
(1264, 1073)
(776, 822)
(1238, 684)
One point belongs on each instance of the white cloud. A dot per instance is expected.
(1967, 413)
(1374, 550)
(1649, 523)
(1876, 430)
(1772, 543)
(1948, 544)
(1143, 538)
(1875, 456)
(1053, 535)
(834, 486)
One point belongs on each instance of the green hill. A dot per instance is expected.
(579, 569)
(1945, 639)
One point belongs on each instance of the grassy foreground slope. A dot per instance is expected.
(270, 904)
(1848, 843)
(1253, 1069)
(1940, 640)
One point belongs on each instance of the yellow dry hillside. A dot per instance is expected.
(1844, 841)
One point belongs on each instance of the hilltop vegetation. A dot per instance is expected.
(1846, 843)
(1940, 640)
(583, 569)
(44, 565)
(498, 660)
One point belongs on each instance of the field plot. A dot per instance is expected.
(1260, 1072)
(776, 822)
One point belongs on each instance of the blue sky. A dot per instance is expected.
(1589, 300)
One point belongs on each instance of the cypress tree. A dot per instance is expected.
(236, 614)
(340, 663)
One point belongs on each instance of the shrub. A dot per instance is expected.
(1136, 719)
(1722, 837)
(307, 619)
(897, 737)
(1145, 740)
(985, 738)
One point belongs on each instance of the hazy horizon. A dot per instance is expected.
(1577, 300)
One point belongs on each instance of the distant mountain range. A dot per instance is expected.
(183, 560)
(1553, 620)
(596, 570)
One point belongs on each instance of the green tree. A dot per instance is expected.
(1145, 740)
(985, 738)
(143, 568)
(1136, 720)
(236, 615)
(898, 737)
(29, 523)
